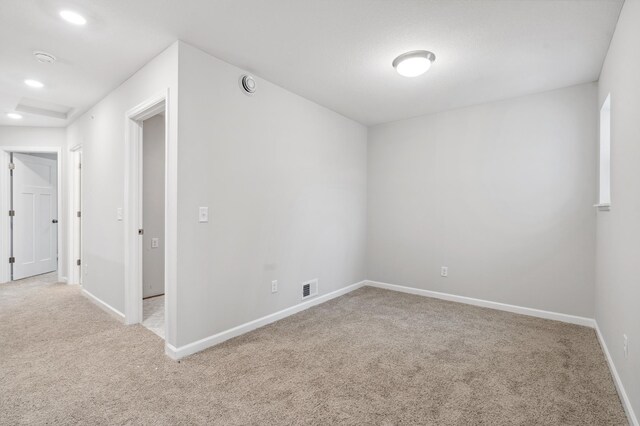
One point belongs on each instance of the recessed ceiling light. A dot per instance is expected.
(73, 17)
(413, 64)
(14, 115)
(34, 83)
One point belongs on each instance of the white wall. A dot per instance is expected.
(101, 131)
(285, 183)
(618, 248)
(153, 205)
(33, 136)
(501, 193)
(49, 137)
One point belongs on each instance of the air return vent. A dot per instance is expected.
(310, 289)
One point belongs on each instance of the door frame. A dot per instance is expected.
(5, 223)
(75, 204)
(133, 212)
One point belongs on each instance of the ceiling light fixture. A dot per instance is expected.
(34, 83)
(14, 116)
(414, 63)
(73, 17)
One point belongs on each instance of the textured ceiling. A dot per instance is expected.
(337, 53)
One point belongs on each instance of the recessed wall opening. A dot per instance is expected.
(604, 197)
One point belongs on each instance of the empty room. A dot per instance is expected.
(320, 212)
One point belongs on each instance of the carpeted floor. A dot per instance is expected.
(369, 357)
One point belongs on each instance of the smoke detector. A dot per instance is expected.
(248, 84)
(44, 57)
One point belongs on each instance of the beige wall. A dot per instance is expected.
(500, 193)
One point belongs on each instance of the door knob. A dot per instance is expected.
(54, 221)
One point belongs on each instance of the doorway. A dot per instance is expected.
(140, 240)
(153, 189)
(30, 193)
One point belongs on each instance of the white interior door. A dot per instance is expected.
(35, 233)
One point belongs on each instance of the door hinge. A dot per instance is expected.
(78, 262)
(12, 213)
(12, 259)
(140, 231)
(12, 166)
(79, 214)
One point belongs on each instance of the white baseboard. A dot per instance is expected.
(572, 319)
(197, 346)
(104, 306)
(626, 402)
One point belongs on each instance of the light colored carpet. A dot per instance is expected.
(369, 357)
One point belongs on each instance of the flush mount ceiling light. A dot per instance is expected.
(73, 17)
(414, 63)
(14, 116)
(44, 57)
(34, 83)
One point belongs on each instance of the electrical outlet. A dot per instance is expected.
(626, 345)
(274, 286)
(444, 271)
(155, 242)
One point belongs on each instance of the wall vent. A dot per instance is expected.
(248, 84)
(310, 288)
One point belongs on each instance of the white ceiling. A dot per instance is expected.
(337, 53)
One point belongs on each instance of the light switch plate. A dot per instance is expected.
(203, 215)
(119, 213)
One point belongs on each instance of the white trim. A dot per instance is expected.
(571, 319)
(103, 305)
(133, 211)
(75, 205)
(191, 348)
(626, 402)
(5, 275)
(5, 270)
